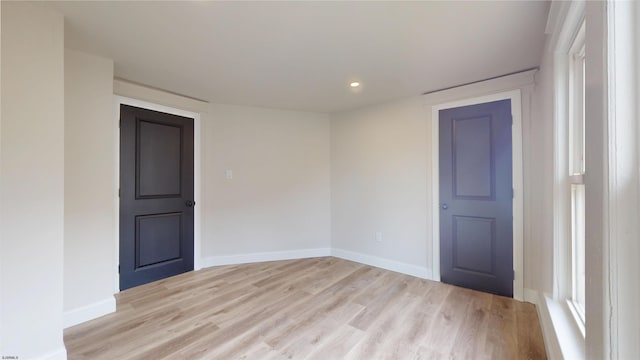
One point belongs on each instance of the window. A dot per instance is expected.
(576, 125)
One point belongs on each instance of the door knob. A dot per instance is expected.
(445, 206)
(190, 203)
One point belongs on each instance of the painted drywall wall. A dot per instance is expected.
(32, 192)
(89, 184)
(597, 311)
(277, 203)
(539, 173)
(379, 180)
(278, 197)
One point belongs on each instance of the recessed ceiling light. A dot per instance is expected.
(354, 84)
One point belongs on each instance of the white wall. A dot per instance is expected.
(277, 205)
(89, 187)
(31, 197)
(381, 171)
(380, 162)
(539, 247)
(278, 199)
(596, 181)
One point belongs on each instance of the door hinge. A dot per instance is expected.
(513, 273)
(119, 192)
(118, 268)
(513, 193)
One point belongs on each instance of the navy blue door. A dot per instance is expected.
(156, 195)
(476, 222)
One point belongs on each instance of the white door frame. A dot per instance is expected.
(122, 100)
(516, 146)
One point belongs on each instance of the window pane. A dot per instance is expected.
(576, 121)
(578, 244)
(582, 113)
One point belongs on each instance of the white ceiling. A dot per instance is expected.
(302, 55)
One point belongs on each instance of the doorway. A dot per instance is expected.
(467, 226)
(476, 236)
(156, 195)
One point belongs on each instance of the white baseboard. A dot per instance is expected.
(531, 296)
(89, 312)
(59, 354)
(265, 256)
(396, 266)
(387, 264)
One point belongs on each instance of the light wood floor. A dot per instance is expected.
(322, 308)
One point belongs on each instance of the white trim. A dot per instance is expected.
(519, 80)
(89, 312)
(551, 344)
(559, 11)
(623, 179)
(58, 354)
(517, 157)
(135, 91)
(403, 268)
(264, 256)
(197, 193)
(577, 316)
(562, 337)
(197, 240)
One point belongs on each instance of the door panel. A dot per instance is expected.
(158, 239)
(473, 168)
(156, 194)
(476, 240)
(473, 244)
(159, 160)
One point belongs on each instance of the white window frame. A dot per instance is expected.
(576, 171)
(567, 136)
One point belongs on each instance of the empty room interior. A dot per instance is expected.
(319, 180)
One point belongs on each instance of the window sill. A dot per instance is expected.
(562, 335)
(576, 316)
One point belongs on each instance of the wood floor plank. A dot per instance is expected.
(471, 338)
(208, 347)
(377, 304)
(448, 320)
(502, 340)
(530, 344)
(381, 339)
(320, 305)
(321, 308)
(343, 339)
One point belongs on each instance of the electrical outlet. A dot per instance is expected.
(229, 174)
(378, 236)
